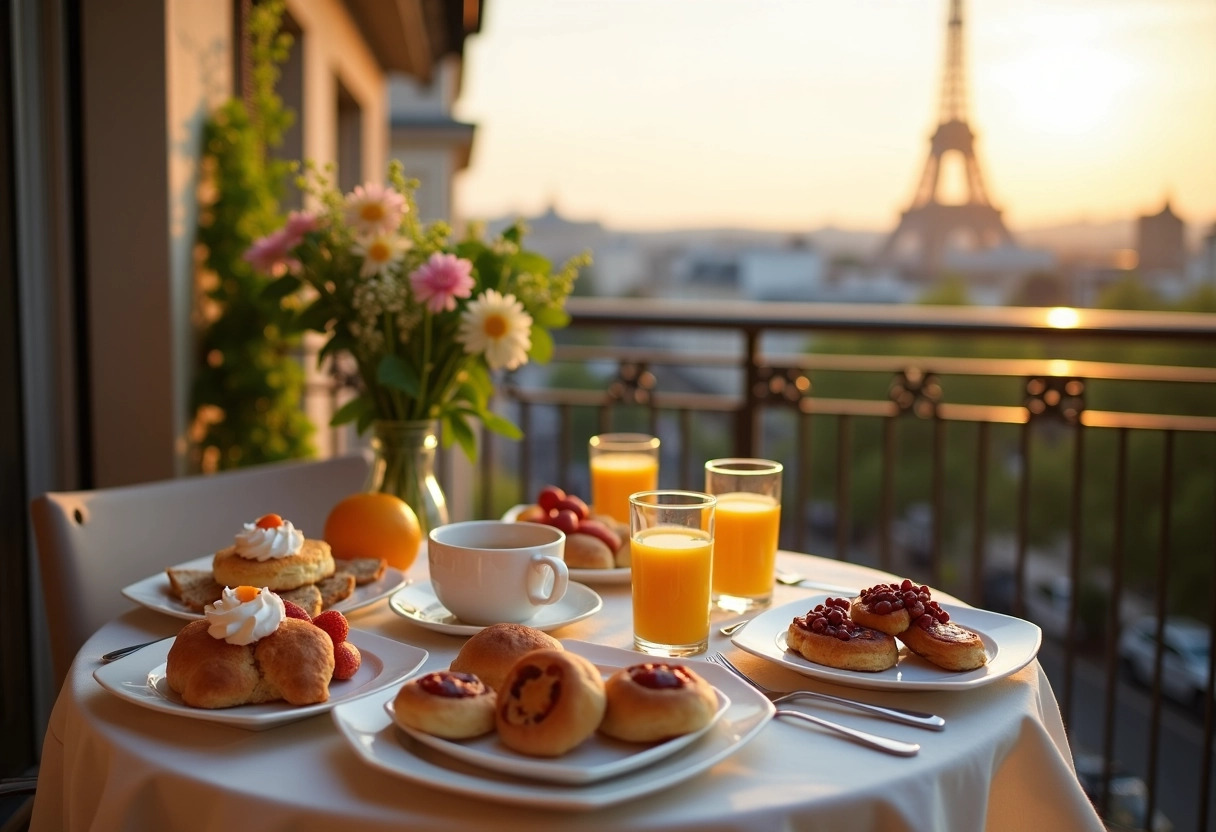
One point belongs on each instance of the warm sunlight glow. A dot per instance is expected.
(1063, 317)
(1060, 368)
(799, 115)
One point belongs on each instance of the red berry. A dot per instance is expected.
(549, 497)
(574, 504)
(597, 529)
(346, 660)
(566, 520)
(294, 610)
(335, 624)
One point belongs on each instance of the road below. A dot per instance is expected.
(1181, 737)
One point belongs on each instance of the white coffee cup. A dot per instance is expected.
(492, 572)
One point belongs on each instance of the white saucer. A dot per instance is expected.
(417, 603)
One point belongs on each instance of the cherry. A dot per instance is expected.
(566, 520)
(549, 497)
(597, 529)
(574, 504)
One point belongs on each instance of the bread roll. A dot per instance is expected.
(454, 706)
(294, 663)
(585, 551)
(490, 653)
(827, 636)
(550, 702)
(655, 701)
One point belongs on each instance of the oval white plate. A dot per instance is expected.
(620, 575)
(417, 603)
(371, 733)
(140, 679)
(1011, 644)
(153, 591)
(598, 758)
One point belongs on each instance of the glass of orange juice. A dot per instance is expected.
(621, 464)
(748, 525)
(672, 547)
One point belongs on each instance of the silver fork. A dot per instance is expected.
(932, 722)
(885, 744)
(794, 579)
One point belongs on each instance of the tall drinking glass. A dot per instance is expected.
(672, 546)
(621, 464)
(748, 525)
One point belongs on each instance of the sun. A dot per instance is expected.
(1065, 89)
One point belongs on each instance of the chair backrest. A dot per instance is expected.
(92, 544)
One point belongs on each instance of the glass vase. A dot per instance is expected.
(403, 464)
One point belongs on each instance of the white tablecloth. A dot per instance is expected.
(1002, 763)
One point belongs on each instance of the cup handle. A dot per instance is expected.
(561, 578)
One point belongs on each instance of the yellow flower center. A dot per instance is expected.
(379, 251)
(496, 326)
(372, 212)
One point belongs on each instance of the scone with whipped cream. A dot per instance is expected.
(273, 553)
(246, 650)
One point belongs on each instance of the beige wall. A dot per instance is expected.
(333, 51)
(153, 71)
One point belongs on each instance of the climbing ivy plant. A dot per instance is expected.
(249, 382)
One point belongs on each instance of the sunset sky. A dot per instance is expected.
(795, 114)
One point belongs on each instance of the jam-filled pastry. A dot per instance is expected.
(273, 553)
(455, 706)
(890, 608)
(933, 636)
(656, 701)
(827, 635)
(248, 651)
(550, 702)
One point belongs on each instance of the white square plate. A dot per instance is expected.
(598, 758)
(140, 679)
(371, 732)
(153, 592)
(1010, 643)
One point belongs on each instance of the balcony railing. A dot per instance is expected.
(1055, 464)
(1006, 456)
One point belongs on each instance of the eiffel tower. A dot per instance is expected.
(929, 223)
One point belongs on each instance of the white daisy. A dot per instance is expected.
(374, 208)
(497, 326)
(382, 253)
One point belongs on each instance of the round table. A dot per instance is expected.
(1002, 763)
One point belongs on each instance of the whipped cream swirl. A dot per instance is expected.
(244, 622)
(257, 543)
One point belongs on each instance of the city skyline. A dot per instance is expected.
(783, 115)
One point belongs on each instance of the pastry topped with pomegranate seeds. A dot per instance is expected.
(827, 635)
(890, 608)
(934, 637)
(273, 553)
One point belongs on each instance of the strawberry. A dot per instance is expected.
(294, 610)
(346, 660)
(334, 623)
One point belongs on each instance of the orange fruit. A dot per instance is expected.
(374, 525)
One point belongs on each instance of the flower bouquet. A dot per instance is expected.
(426, 318)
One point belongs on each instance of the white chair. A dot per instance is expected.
(91, 544)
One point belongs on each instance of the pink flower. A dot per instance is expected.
(271, 254)
(442, 279)
(299, 223)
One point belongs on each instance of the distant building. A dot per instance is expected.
(1160, 242)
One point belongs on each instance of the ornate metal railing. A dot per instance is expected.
(1054, 464)
(917, 439)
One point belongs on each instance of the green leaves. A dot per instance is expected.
(394, 372)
